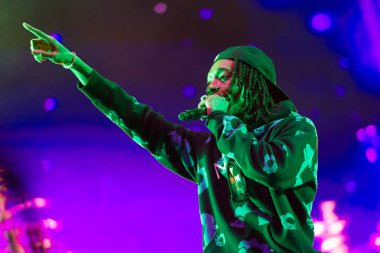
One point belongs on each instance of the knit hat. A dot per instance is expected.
(260, 61)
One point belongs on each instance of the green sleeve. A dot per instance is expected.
(279, 155)
(171, 144)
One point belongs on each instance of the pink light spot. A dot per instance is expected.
(337, 227)
(321, 22)
(371, 155)
(331, 243)
(319, 227)
(50, 223)
(39, 202)
(340, 249)
(328, 206)
(371, 130)
(46, 243)
(377, 241)
(160, 8)
(361, 134)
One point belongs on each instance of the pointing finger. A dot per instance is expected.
(38, 33)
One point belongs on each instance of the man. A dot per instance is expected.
(255, 171)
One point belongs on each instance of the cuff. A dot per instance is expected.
(215, 119)
(82, 86)
(96, 88)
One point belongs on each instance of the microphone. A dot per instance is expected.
(192, 114)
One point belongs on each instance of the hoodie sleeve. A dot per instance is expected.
(279, 155)
(171, 144)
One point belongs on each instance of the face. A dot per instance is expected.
(219, 82)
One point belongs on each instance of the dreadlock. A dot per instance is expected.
(257, 99)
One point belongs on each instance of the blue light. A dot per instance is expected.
(50, 104)
(57, 36)
(205, 13)
(189, 91)
(321, 22)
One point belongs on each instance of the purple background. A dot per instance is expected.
(108, 194)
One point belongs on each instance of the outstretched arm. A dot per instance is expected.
(173, 145)
(45, 47)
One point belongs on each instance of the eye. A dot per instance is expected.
(223, 78)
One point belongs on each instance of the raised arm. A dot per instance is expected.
(173, 145)
(46, 47)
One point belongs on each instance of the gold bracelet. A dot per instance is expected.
(72, 63)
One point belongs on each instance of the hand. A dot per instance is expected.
(46, 47)
(213, 103)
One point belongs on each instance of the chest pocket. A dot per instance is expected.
(236, 182)
(228, 169)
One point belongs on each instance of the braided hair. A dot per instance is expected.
(257, 98)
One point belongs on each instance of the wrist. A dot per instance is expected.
(71, 64)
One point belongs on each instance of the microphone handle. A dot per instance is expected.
(192, 114)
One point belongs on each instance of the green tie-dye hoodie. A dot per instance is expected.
(256, 183)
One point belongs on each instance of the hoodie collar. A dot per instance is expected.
(280, 110)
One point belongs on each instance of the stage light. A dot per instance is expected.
(328, 206)
(371, 154)
(321, 22)
(39, 202)
(50, 104)
(57, 36)
(46, 243)
(330, 230)
(340, 249)
(332, 243)
(189, 91)
(50, 223)
(319, 228)
(361, 134)
(160, 8)
(371, 131)
(337, 227)
(205, 13)
(377, 241)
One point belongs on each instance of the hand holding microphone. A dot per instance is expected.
(205, 107)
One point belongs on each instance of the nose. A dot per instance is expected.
(211, 89)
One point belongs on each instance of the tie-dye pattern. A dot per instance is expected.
(245, 179)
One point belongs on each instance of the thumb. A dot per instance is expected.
(45, 54)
